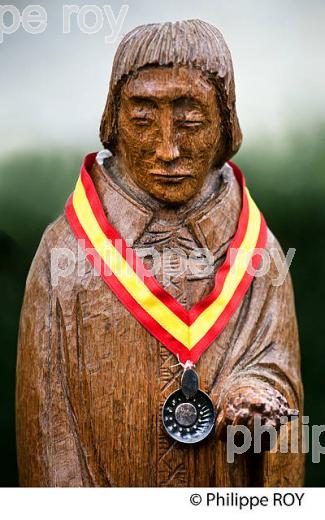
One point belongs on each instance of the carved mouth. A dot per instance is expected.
(171, 177)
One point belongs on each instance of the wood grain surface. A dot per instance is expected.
(91, 381)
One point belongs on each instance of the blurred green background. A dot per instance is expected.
(288, 185)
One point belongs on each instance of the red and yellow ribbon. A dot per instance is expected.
(185, 333)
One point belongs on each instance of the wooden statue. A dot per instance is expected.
(100, 352)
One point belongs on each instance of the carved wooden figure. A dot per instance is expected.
(98, 350)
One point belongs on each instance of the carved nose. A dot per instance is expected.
(167, 150)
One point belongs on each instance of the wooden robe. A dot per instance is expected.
(91, 381)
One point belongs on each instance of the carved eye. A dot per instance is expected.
(142, 121)
(188, 123)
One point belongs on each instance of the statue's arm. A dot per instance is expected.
(263, 376)
(46, 445)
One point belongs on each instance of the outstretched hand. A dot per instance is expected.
(245, 404)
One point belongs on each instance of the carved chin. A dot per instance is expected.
(174, 193)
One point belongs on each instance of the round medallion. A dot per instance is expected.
(188, 419)
(186, 414)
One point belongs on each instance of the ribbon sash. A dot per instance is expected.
(185, 333)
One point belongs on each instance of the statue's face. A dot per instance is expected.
(168, 131)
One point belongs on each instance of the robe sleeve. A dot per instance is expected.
(265, 347)
(46, 442)
(264, 352)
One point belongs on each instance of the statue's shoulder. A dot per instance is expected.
(59, 234)
(272, 243)
(276, 264)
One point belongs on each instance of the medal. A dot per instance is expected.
(188, 414)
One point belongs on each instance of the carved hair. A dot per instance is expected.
(192, 43)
